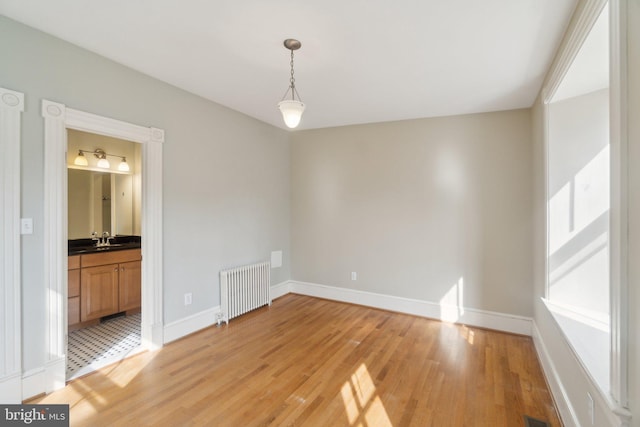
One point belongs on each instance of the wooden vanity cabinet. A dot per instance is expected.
(130, 285)
(108, 282)
(73, 294)
(99, 293)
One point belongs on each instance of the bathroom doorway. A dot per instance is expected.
(58, 119)
(104, 248)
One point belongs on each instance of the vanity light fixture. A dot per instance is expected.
(101, 155)
(123, 166)
(102, 159)
(291, 109)
(81, 160)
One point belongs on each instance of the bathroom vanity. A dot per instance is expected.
(103, 281)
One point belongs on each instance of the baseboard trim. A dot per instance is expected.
(10, 389)
(190, 324)
(565, 409)
(451, 314)
(44, 379)
(280, 289)
(609, 411)
(33, 383)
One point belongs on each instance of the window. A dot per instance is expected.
(578, 203)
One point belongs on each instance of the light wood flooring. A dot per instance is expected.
(312, 362)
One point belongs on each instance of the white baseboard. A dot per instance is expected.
(206, 318)
(280, 289)
(190, 324)
(45, 379)
(10, 389)
(567, 413)
(608, 412)
(468, 316)
(55, 374)
(33, 383)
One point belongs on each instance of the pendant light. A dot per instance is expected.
(291, 109)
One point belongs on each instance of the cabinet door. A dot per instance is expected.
(130, 284)
(99, 291)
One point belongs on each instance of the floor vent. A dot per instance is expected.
(532, 422)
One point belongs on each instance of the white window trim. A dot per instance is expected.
(586, 18)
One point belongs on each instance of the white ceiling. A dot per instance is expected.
(361, 61)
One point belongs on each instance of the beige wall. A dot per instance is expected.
(417, 207)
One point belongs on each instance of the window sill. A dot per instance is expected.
(590, 341)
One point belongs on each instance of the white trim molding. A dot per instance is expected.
(190, 324)
(11, 108)
(561, 398)
(614, 415)
(584, 19)
(57, 119)
(447, 313)
(204, 319)
(619, 218)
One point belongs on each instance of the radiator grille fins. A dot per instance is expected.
(243, 289)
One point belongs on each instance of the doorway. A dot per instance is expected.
(58, 118)
(104, 240)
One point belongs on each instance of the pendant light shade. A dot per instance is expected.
(293, 108)
(291, 112)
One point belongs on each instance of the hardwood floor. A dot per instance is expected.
(313, 362)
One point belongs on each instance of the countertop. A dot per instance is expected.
(88, 246)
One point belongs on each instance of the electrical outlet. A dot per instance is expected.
(591, 409)
(354, 275)
(187, 299)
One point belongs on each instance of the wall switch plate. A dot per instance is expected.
(354, 275)
(188, 298)
(26, 226)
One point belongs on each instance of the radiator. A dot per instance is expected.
(243, 289)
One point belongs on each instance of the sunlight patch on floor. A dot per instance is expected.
(362, 405)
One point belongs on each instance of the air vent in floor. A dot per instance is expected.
(532, 422)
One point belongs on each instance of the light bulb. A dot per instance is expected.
(81, 160)
(104, 163)
(123, 166)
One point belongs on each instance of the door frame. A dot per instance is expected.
(11, 109)
(57, 119)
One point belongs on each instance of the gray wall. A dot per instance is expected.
(225, 175)
(414, 206)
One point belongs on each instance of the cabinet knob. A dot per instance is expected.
(122, 269)
(115, 269)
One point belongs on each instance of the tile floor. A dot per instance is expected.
(91, 348)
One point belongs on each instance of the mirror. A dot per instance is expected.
(100, 201)
(102, 198)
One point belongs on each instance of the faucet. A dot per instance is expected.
(105, 240)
